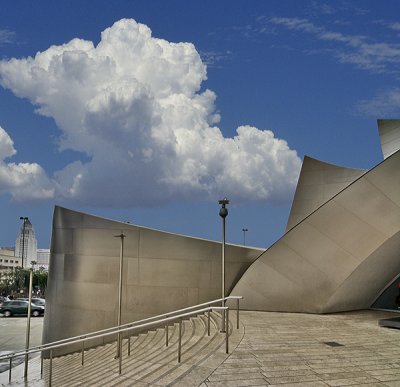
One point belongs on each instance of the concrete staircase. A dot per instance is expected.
(150, 363)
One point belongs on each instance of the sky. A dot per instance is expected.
(149, 112)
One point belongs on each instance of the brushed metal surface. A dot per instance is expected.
(318, 182)
(339, 253)
(162, 272)
(338, 258)
(389, 133)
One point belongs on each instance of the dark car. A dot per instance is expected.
(20, 308)
(37, 301)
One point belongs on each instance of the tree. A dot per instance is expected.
(17, 279)
(40, 281)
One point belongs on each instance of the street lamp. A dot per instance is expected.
(223, 213)
(24, 219)
(121, 261)
(244, 235)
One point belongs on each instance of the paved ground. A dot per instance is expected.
(13, 330)
(13, 335)
(285, 349)
(289, 349)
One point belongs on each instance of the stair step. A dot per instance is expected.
(150, 361)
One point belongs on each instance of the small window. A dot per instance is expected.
(11, 261)
(6, 260)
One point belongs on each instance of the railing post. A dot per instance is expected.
(129, 345)
(227, 330)
(41, 365)
(237, 313)
(121, 262)
(28, 324)
(208, 321)
(223, 317)
(83, 352)
(166, 335)
(51, 367)
(9, 374)
(120, 355)
(180, 340)
(166, 332)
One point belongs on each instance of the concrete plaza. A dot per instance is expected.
(13, 332)
(13, 336)
(290, 349)
(275, 349)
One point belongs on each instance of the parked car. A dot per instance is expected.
(37, 301)
(20, 308)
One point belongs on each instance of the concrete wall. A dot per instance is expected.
(162, 272)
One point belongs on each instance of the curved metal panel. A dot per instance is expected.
(339, 257)
(162, 272)
(389, 133)
(318, 182)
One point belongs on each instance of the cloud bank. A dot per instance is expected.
(133, 105)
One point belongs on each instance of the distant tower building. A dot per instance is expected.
(43, 258)
(27, 241)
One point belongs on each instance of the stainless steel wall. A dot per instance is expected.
(318, 182)
(389, 134)
(338, 258)
(339, 253)
(162, 272)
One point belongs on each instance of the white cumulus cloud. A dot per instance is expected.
(22, 180)
(134, 105)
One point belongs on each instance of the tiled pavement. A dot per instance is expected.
(286, 349)
(290, 349)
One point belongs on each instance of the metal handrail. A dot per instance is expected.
(119, 331)
(115, 329)
(172, 316)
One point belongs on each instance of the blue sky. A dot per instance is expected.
(132, 126)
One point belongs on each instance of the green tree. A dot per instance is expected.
(40, 281)
(17, 279)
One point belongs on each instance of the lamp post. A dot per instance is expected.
(24, 219)
(244, 235)
(223, 213)
(121, 261)
(28, 322)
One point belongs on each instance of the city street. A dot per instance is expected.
(13, 334)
